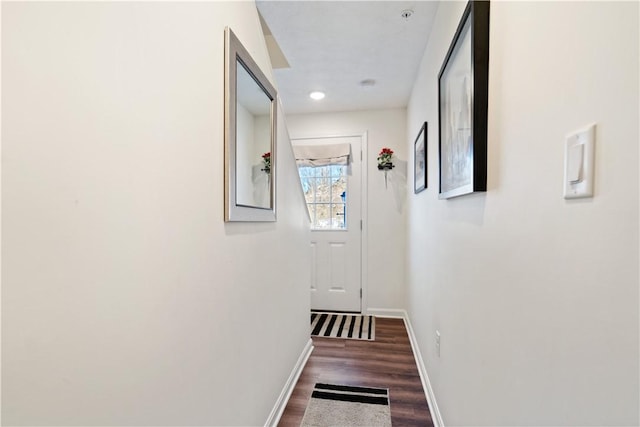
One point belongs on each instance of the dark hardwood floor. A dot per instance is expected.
(387, 362)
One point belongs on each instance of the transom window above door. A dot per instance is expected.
(325, 191)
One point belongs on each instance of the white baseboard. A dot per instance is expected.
(281, 403)
(436, 417)
(386, 312)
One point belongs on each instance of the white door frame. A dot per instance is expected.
(364, 237)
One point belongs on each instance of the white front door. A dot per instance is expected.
(333, 195)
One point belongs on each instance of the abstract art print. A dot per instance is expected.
(462, 110)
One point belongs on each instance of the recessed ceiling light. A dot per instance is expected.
(317, 95)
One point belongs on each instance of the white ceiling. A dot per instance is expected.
(332, 46)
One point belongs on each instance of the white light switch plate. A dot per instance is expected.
(578, 163)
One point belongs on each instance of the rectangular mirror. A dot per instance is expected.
(250, 137)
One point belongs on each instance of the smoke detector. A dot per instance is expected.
(406, 14)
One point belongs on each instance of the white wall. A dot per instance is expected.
(385, 252)
(126, 300)
(536, 297)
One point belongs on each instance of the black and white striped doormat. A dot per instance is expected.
(340, 325)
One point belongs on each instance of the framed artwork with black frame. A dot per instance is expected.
(463, 86)
(420, 160)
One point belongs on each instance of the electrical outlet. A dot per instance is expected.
(438, 342)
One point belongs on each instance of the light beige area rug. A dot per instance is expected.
(347, 406)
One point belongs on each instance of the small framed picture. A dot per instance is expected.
(420, 160)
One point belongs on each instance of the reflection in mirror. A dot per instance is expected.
(250, 129)
(253, 140)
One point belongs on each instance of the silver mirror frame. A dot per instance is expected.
(234, 52)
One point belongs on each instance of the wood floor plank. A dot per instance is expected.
(387, 362)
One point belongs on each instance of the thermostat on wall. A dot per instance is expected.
(579, 163)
